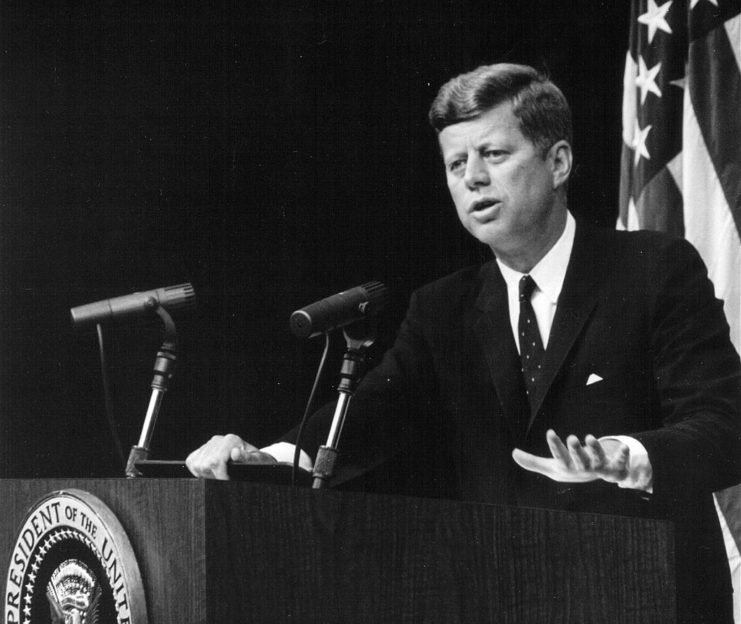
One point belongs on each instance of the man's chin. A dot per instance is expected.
(489, 233)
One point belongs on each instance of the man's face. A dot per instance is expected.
(504, 190)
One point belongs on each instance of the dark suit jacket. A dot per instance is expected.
(636, 309)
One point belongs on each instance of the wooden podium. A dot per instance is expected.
(238, 552)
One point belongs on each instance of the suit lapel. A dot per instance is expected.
(494, 332)
(575, 304)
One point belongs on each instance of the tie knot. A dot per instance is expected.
(527, 287)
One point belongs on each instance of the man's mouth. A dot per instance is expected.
(482, 204)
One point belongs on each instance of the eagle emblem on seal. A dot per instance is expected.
(73, 594)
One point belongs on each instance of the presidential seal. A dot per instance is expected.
(72, 563)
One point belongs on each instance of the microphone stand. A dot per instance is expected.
(164, 369)
(350, 375)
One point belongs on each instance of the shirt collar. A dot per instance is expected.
(550, 271)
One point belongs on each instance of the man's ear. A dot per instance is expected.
(561, 159)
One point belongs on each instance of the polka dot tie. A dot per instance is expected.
(531, 346)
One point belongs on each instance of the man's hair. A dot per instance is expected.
(544, 114)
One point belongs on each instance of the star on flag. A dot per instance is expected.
(639, 142)
(655, 18)
(646, 79)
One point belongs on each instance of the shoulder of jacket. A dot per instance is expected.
(637, 243)
(459, 282)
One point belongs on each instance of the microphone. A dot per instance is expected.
(136, 304)
(339, 310)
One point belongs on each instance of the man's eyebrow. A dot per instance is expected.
(451, 156)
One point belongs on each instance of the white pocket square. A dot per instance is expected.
(593, 378)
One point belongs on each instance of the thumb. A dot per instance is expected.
(241, 452)
(249, 454)
(523, 459)
(532, 462)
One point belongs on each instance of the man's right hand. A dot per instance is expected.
(210, 460)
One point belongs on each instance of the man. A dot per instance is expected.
(613, 339)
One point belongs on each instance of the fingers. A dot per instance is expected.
(596, 452)
(250, 455)
(587, 461)
(242, 452)
(589, 457)
(558, 449)
(547, 466)
(575, 462)
(620, 463)
(610, 459)
(579, 456)
(210, 460)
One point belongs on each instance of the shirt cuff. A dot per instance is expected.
(640, 474)
(283, 453)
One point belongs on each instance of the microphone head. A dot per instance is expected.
(339, 310)
(180, 297)
(300, 324)
(172, 298)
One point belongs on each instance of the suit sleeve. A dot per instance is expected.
(698, 377)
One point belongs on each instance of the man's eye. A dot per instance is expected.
(456, 165)
(494, 154)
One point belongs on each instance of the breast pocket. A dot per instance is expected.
(600, 407)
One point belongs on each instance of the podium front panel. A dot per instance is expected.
(245, 552)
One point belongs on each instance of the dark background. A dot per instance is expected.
(271, 153)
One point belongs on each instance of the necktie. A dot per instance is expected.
(531, 346)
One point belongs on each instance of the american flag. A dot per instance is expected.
(681, 156)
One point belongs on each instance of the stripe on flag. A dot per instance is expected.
(716, 100)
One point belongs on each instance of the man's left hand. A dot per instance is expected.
(575, 462)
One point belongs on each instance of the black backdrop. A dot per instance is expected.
(271, 153)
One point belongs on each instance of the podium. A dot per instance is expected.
(241, 552)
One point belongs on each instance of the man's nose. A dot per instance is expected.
(476, 173)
